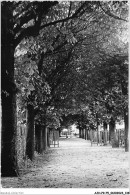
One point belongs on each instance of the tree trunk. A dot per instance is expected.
(98, 133)
(114, 139)
(41, 141)
(79, 133)
(9, 128)
(60, 130)
(9, 119)
(88, 134)
(48, 135)
(82, 133)
(124, 85)
(85, 134)
(38, 138)
(45, 138)
(30, 144)
(126, 132)
(105, 133)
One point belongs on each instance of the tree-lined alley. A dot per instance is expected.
(62, 63)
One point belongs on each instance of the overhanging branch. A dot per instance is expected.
(34, 30)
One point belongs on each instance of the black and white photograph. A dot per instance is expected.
(64, 97)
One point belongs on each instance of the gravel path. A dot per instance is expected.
(76, 164)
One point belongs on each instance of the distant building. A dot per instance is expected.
(74, 129)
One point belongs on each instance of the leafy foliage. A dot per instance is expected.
(69, 58)
(76, 77)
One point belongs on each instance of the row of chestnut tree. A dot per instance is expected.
(62, 62)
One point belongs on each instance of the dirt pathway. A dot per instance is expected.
(75, 164)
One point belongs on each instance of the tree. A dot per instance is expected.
(9, 90)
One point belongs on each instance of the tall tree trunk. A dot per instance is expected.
(44, 131)
(124, 85)
(30, 144)
(98, 129)
(114, 139)
(105, 133)
(9, 132)
(79, 133)
(126, 132)
(59, 131)
(85, 134)
(88, 134)
(38, 138)
(45, 138)
(41, 140)
(82, 133)
(98, 133)
(8, 96)
(48, 135)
